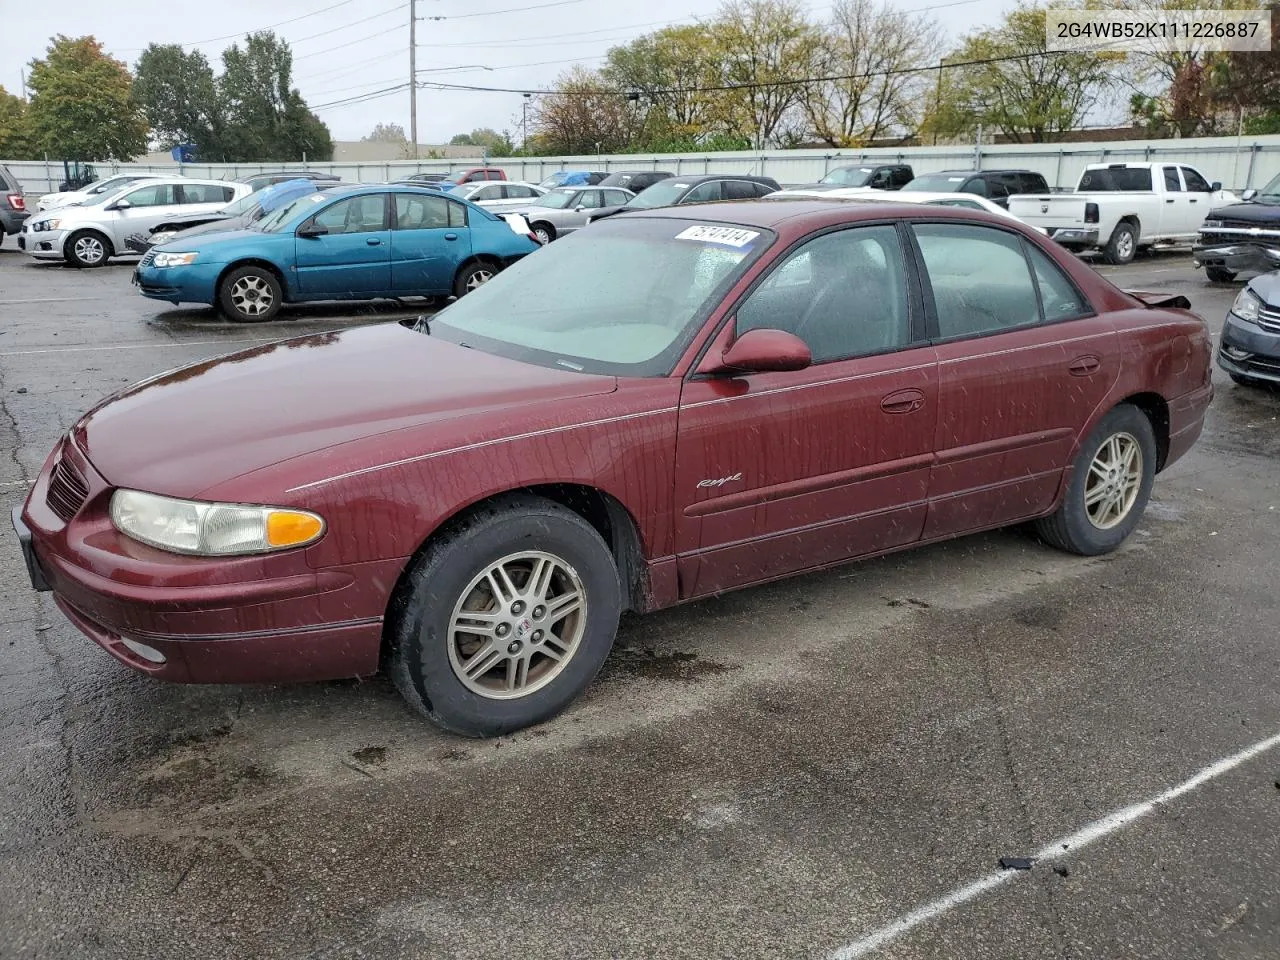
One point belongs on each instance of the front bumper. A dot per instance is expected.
(43, 244)
(1083, 236)
(1249, 351)
(193, 283)
(1237, 257)
(187, 619)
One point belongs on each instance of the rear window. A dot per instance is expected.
(1116, 178)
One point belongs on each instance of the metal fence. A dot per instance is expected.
(1238, 162)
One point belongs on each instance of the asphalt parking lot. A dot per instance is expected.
(829, 766)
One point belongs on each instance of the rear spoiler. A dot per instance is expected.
(1155, 301)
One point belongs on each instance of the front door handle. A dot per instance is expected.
(1168, 199)
(1194, 200)
(373, 241)
(903, 401)
(451, 236)
(1085, 366)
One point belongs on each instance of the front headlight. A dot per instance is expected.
(1210, 224)
(47, 225)
(163, 237)
(174, 259)
(1246, 305)
(211, 529)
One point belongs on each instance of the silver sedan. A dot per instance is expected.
(565, 209)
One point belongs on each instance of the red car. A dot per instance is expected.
(480, 173)
(743, 391)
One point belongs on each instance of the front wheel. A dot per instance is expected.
(1123, 244)
(473, 276)
(503, 621)
(545, 233)
(1110, 484)
(250, 294)
(87, 249)
(1219, 274)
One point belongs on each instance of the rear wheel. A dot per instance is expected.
(88, 248)
(250, 294)
(1219, 274)
(1123, 244)
(472, 276)
(505, 619)
(1110, 484)
(545, 232)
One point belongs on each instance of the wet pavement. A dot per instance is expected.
(780, 772)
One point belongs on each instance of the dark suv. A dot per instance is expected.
(260, 180)
(635, 180)
(997, 185)
(13, 207)
(884, 176)
(704, 189)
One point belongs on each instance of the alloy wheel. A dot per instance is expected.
(1114, 480)
(89, 249)
(252, 296)
(1124, 246)
(517, 625)
(479, 278)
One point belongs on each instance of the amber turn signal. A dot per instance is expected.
(287, 528)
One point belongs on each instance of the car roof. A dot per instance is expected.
(978, 173)
(704, 177)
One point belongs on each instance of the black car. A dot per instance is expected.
(1241, 236)
(13, 206)
(885, 176)
(635, 180)
(995, 185)
(1249, 348)
(422, 179)
(703, 189)
(259, 180)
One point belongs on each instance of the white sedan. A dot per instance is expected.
(499, 194)
(968, 200)
(52, 201)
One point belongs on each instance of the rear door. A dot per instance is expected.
(352, 258)
(779, 472)
(1023, 362)
(429, 238)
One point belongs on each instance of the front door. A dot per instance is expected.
(428, 240)
(779, 472)
(352, 257)
(1177, 211)
(141, 209)
(1022, 364)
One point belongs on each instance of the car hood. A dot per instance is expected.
(1251, 212)
(214, 240)
(188, 430)
(200, 226)
(1267, 286)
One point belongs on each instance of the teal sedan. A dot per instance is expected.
(361, 243)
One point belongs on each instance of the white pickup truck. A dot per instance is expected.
(1121, 207)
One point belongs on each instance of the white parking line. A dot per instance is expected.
(136, 346)
(4, 303)
(1056, 850)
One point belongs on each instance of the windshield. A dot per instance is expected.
(1271, 192)
(661, 194)
(938, 183)
(556, 199)
(1115, 179)
(848, 176)
(243, 205)
(273, 222)
(653, 282)
(555, 179)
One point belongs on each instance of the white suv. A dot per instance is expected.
(89, 233)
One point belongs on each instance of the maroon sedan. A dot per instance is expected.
(663, 407)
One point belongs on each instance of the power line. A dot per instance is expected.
(494, 13)
(348, 43)
(324, 33)
(238, 35)
(576, 33)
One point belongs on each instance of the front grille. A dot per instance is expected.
(1212, 235)
(1266, 365)
(1269, 319)
(147, 258)
(67, 491)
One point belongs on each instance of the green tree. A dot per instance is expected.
(583, 115)
(179, 95)
(82, 105)
(267, 119)
(1031, 98)
(495, 143)
(669, 72)
(387, 133)
(16, 141)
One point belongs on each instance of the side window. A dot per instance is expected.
(615, 198)
(363, 214)
(493, 175)
(739, 190)
(980, 280)
(902, 176)
(487, 193)
(705, 192)
(1171, 182)
(155, 195)
(205, 193)
(589, 199)
(843, 293)
(1058, 296)
(518, 191)
(976, 186)
(997, 190)
(423, 213)
(1195, 182)
(457, 214)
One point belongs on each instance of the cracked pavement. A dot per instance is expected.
(773, 773)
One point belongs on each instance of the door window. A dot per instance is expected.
(976, 186)
(844, 294)
(206, 193)
(615, 198)
(517, 191)
(363, 214)
(979, 278)
(1195, 182)
(491, 192)
(739, 190)
(1171, 182)
(588, 199)
(153, 195)
(427, 213)
(705, 192)
(1059, 298)
(902, 176)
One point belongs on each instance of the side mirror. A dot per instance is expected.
(760, 351)
(121, 205)
(1249, 194)
(312, 230)
(1215, 186)
(579, 208)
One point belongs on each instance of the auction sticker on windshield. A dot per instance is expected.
(726, 236)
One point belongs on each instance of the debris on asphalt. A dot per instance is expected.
(1015, 863)
(1062, 871)
(21, 390)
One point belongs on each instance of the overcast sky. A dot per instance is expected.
(349, 48)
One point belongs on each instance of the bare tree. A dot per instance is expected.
(584, 115)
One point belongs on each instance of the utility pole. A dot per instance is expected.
(524, 122)
(23, 73)
(413, 75)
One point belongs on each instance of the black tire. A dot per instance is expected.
(420, 661)
(481, 271)
(243, 290)
(1070, 527)
(87, 249)
(1123, 245)
(545, 232)
(1219, 274)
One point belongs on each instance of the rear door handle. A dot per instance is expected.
(903, 401)
(1194, 200)
(451, 236)
(1085, 366)
(373, 241)
(1168, 199)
